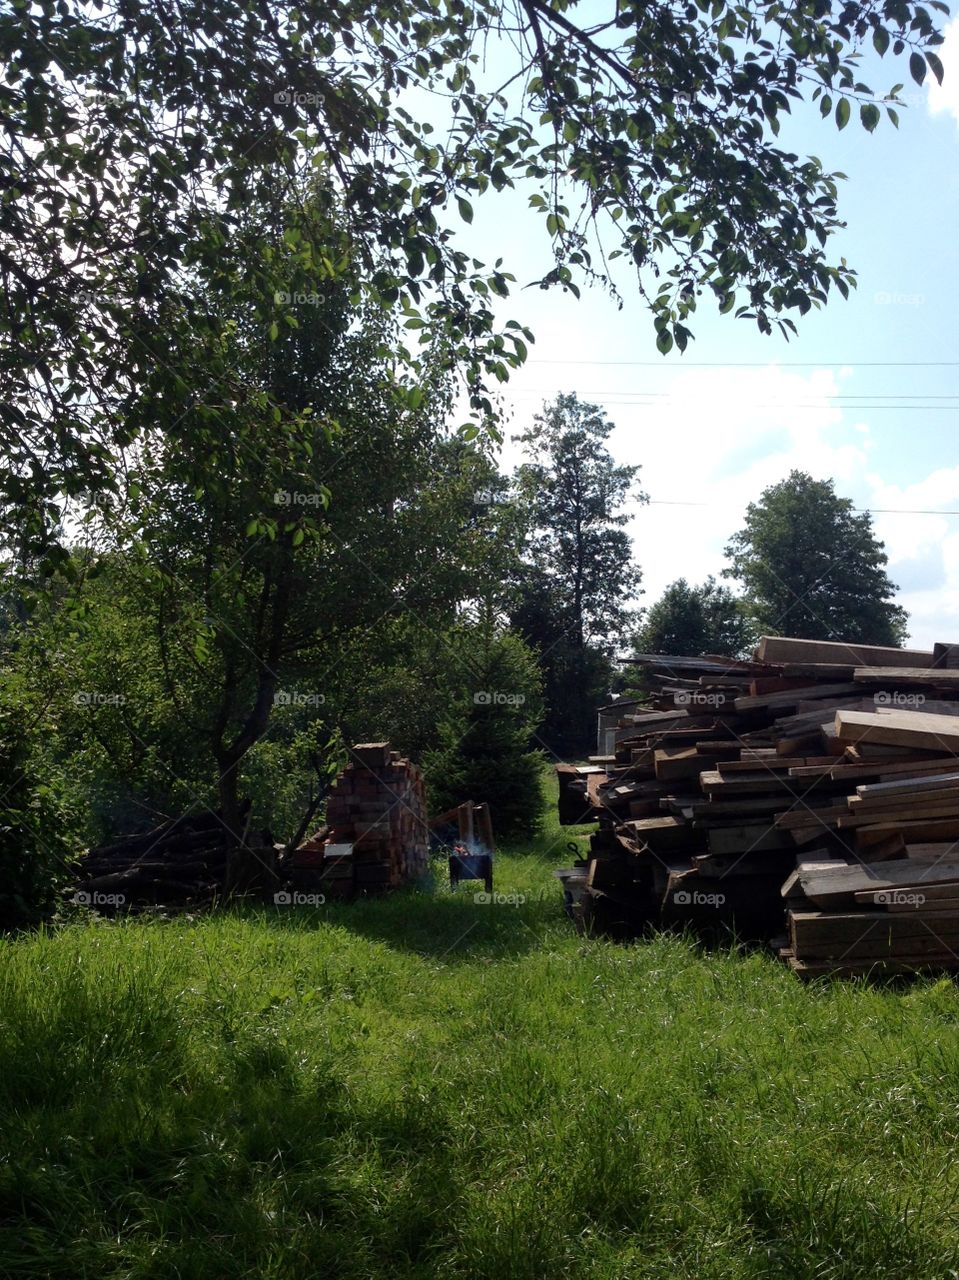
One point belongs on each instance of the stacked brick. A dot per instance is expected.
(378, 837)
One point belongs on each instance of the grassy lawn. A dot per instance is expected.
(429, 1086)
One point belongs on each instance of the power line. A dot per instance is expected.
(668, 395)
(761, 364)
(784, 404)
(873, 511)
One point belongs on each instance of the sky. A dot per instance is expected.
(867, 394)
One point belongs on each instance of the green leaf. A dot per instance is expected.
(917, 67)
(869, 115)
(664, 341)
(842, 112)
(935, 66)
(465, 208)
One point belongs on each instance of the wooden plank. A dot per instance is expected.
(772, 763)
(916, 897)
(876, 945)
(805, 817)
(910, 813)
(931, 851)
(863, 968)
(837, 885)
(807, 928)
(773, 701)
(927, 677)
(929, 829)
(889, 770)
(717, 809)
(818, 670)
(945, 655)
(907, 813)
(719, 785)
(902, 800)
(747, 838)
(907, 786)
(899, 729)
(787, 649)
(666, 834)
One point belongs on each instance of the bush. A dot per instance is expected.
(34, 840)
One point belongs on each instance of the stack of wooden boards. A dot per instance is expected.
(376, 835)
(777, 798)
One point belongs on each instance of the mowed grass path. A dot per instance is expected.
(425, 1086)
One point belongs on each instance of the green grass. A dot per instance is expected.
(426, 1086)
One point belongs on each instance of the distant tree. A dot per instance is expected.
(483, 753)
(812, 567)
(690, 620)
(579, 580)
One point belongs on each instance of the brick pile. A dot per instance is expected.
(377, 836)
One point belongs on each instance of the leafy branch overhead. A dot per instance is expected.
(136, 134)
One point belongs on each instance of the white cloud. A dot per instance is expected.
(923, 550)
(713, 438)
(709, 445)
(945, 96)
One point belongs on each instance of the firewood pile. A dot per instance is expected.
(376, 835)
(376, 838)
(808, 798)
(181, 861)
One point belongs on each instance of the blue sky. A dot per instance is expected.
(738, 410)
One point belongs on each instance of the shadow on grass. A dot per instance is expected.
(245, 1169)
(453, 927)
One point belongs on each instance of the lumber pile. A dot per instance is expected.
(742, 788)
(376, 835)
(182, 861)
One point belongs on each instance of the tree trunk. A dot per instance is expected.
(244, 869)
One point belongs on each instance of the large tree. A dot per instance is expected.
(135, 135)
(688, 620)
(811, 566)
(579, 582)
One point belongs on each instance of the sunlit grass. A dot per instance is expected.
(429, 1086)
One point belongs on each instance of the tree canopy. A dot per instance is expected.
(811, 566)
(134, 137)
(690, 620)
